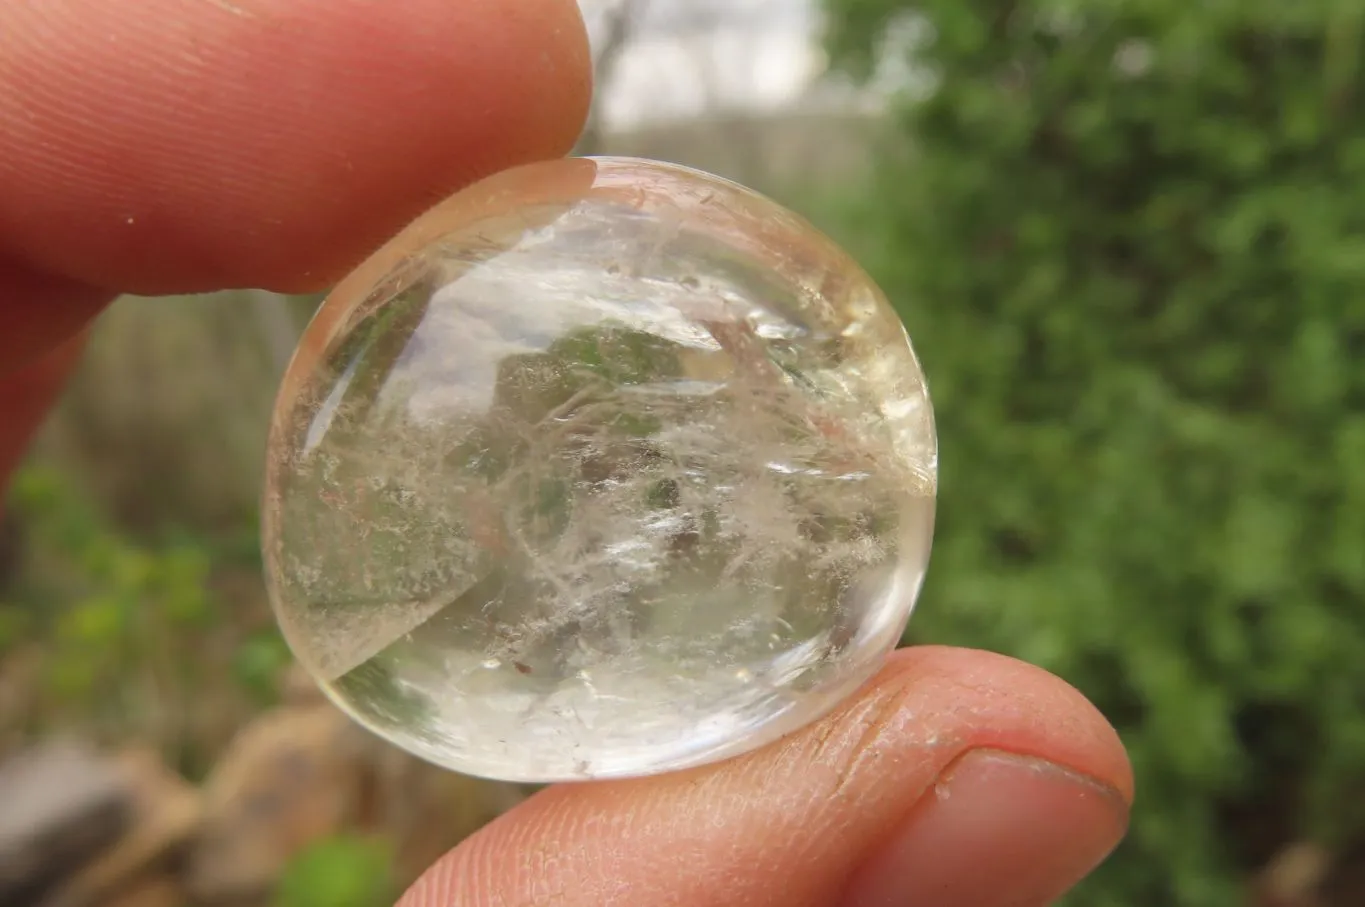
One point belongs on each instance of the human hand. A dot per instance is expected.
(172, 146)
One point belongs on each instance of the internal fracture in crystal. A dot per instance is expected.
(603, 467)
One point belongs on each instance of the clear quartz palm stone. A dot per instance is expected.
(603, 467)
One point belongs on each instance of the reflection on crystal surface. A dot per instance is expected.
(602, 468)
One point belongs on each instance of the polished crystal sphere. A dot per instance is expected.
(603, 467)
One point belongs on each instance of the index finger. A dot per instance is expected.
(196, 145)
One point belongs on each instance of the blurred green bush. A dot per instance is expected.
(1129, 242)
(129, 637)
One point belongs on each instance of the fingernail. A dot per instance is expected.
(996, 830)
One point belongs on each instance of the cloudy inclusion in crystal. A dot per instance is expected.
(604, 467)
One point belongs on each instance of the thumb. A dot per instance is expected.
(954, 778)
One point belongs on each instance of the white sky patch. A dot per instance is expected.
(689, 57)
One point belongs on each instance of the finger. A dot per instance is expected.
(26, 395)
(956, 778)
(197, 145)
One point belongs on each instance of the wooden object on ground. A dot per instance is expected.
(166, 811)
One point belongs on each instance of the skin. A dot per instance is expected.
(203, 144)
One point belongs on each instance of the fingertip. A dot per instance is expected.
(265, 142)
(997, 830)
(1024, 710)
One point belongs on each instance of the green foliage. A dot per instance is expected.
(258, 663)
(341, 871)
(114, 589)
(1129, 241)
(123, 626)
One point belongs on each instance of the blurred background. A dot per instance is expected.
(1128, 240)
